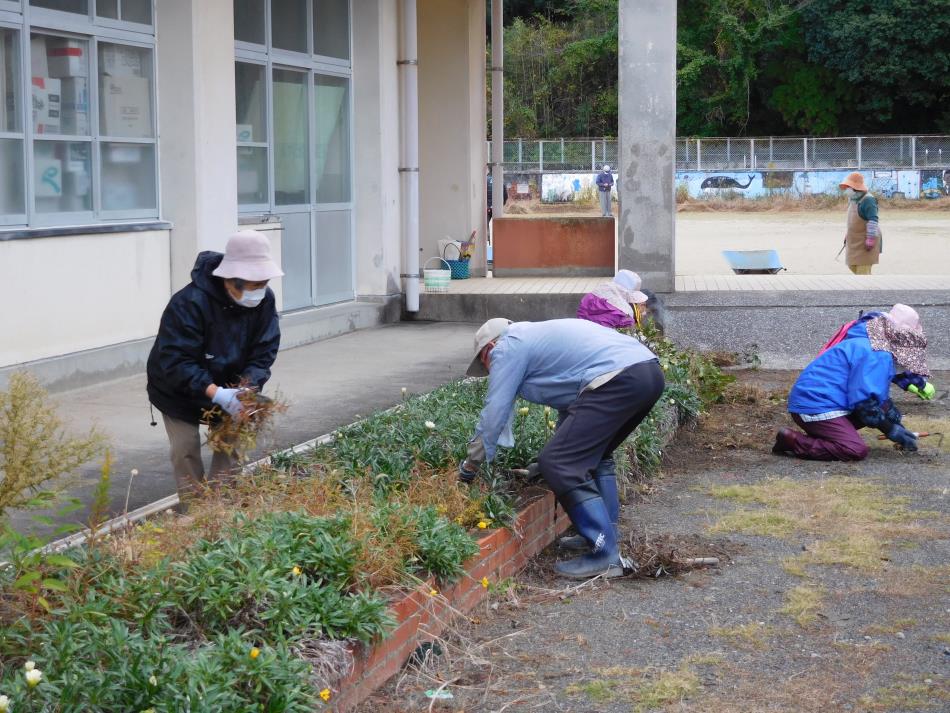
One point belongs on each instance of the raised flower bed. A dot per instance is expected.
(309, 582)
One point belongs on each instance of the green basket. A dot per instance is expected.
(459, 269)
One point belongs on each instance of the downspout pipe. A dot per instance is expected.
(497, 108)
(409, 150)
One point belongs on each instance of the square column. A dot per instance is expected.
(647, 114)
(197, 123)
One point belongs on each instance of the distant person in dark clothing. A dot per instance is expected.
(605, 184)
(217, 334)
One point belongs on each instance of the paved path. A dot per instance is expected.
(327, 384)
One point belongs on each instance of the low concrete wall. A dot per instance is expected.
(567, 246)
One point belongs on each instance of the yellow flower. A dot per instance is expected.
(296, 571)
(552, 424)
(485, 582)
(152, 681)
(325, 694)
(547, 409)
(433, 592)
(4, 704)
(482, 524)
(523, 410)
(33, 677)
(255, 652)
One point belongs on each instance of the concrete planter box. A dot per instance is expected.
(561, 247)
(421, 617)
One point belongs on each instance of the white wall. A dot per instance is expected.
(197, 127)
(376, 137)
(452, 122)
(81, 292)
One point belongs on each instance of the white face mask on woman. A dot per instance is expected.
(252, 298)
(849, 193)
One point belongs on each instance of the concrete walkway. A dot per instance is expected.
(328, 384)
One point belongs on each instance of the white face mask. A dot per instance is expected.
(849, 193)
(252, 298)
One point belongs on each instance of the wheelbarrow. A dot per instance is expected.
(753, 262)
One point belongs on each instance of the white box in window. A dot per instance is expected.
(123, 153)
(38, 64)
(245, 132)
(67, 58)
(119, 61)
(49, 177)
(46, 105)
(74, 99)
(126, 106)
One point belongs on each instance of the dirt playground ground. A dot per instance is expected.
(916, 235)
(833, 593)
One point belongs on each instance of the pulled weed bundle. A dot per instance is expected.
(239, 436)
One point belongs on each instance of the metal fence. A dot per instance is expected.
(720, 154)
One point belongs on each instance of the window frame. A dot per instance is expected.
(275, 58)
(92, 30)
(23, 92)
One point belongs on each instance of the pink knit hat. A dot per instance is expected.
(247, 257)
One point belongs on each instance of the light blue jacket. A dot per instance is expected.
(848, 373)
(548, 363)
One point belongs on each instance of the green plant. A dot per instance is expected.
(35, 449)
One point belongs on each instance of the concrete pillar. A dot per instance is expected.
(647, 140)
(197, 124)
(376, 137)
(452, 117)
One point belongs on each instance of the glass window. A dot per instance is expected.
(11, 166)
(128, 177)
(80, 6)
(251, 129)
(332, 155)
(9, 81)
(249, 25)
(62, 176)
(289, 25)
(137, 11)
(125, 91)
(291, 165)
(60, 85)
(251, 107)
(331, 28)
(108, 8)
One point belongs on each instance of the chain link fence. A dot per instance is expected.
(720, 154)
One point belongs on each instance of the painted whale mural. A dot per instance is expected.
(725, 182)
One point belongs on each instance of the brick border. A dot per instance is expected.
(419, 617)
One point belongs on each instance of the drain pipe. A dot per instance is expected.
(497, 108)
(409, 159)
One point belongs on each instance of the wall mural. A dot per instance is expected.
(911, 184)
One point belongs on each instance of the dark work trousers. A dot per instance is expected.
(834, 439)
(592, 427)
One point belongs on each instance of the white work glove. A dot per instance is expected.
(228, 400)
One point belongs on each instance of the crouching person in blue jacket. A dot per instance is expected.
(602, 382)
(846, 388)
(217, 333)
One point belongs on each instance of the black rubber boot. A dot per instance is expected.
(592, 521)
(605, 478)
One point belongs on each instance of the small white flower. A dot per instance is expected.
(134, 472)
(4, 704)
(29, 665)
(33, 677)
(672, 402)
(152, 681)
(404, 391)
(430, 425)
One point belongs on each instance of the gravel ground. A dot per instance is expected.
(844, 606)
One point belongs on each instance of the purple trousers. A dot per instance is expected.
(834, 439)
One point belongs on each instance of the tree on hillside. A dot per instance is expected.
(894, 53)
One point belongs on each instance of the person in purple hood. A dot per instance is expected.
(615, 304)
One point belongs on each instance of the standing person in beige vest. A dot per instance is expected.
(863, 236)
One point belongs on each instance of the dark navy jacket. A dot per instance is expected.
(205, 337)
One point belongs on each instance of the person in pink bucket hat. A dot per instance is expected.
(218, 333)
